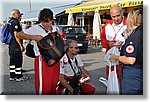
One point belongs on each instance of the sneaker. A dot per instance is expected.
(12, 79)
(24, 78)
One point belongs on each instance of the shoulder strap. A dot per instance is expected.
(11, 20)
(79, 70)
(71, 64)
(76, 61)
(43, 28)
(69, 61)
(53, 35)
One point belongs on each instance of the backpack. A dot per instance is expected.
(6, 36)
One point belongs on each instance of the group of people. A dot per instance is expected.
(46, 77)
(128, 31)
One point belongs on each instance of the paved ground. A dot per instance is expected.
(93, 61)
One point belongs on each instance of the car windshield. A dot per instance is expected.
(74, 30)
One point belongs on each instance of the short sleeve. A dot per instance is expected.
(80, 63)
(32, 30)
(16, 26)
(131, 50)
(63, 60)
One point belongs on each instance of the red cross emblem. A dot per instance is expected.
(129, 49)
(61, 63)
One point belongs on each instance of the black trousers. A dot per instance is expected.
(15, 62)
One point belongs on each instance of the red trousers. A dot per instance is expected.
(46, 77)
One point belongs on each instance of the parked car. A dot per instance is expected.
(76, 33)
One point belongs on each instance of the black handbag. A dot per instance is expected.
(29, 50)
(52, 48)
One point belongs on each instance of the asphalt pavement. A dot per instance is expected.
(93, 62)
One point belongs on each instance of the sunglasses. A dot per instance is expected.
(75, 48)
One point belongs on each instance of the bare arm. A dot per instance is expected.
(65, 83)
(22, 35)
(123, 59)
(18, 41)
(85, 72)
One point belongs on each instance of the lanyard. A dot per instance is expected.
(117, 31)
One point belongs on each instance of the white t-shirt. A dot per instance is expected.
(37, 30)
(65, 67)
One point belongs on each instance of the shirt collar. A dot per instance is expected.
(119, 25)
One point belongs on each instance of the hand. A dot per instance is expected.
(89, 78)
(111, 44)
(113, 58)
(119, 44)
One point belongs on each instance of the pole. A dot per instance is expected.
(30, 5)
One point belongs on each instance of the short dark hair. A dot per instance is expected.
(45, 14)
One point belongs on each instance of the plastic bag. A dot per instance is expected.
(114, 50)
(112, 83)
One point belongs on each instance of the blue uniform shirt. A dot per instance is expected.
(133, 46)
(15, 26)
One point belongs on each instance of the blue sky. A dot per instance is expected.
(23, 5)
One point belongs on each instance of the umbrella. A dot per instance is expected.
(70, 19)
(96, 25)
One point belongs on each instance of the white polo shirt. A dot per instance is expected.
(65, 67)
(37, 30)
(115, 30)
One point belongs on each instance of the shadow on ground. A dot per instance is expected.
(27, 87)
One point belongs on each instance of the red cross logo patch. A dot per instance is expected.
(61, 63)
(129, 49)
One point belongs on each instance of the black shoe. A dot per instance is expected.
(23, 78)
(12, 79)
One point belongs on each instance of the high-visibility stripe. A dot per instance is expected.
(19, 69)
(12, 71)
(40, 75)
(18, 72)
(13, 66)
